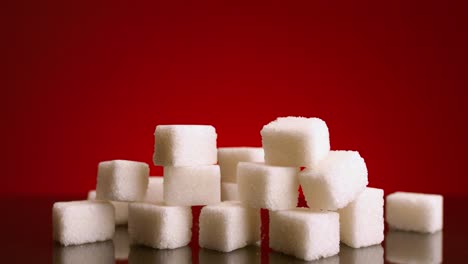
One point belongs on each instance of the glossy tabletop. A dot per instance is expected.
(27, 229)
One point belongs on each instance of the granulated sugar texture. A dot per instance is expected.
(232, 184)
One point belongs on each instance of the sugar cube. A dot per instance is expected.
(410, 247)
(305, 234)
(245, 255)
(80, 222)
(373, 254)
(92, 195)
(120, 208)
(228, 158)
(295, 141)
(154, 193)
(415, 211)
(228, 226)
(229, 191)
(280, 258)
(362, 220)
(122, 180)
(159, 226)
(121, 212)
(91, 253)
(121, 243)
(266, 186)
(185, 145)
(335, 182)
(187, 186)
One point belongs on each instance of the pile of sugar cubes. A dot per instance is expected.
(233, 184)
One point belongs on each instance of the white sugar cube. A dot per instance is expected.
(415, 211)
(362, 221)
(120, 208)
(245, 255)
(187, 186)
(154, 193)
(159, 226)
(121, 243)
(373, 254)
(280, 258)
(295, 141)
(91, 253)
(92, 195)
(144, 255)
(228, 158)
(229, 191)
(185, 145)
(304, 233)
(410, 247)
(228, 226)
(82, 222)
(265, 186)
(122, 180)
(335, 182)
(121, 212)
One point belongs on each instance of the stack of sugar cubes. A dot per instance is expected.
(233, 184)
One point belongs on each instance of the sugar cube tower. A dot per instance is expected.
(233, 184)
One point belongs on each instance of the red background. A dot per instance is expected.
(84, 81)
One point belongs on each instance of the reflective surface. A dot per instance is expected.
(27, 238)
(407, 247)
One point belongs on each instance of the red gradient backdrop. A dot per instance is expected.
(85, 81)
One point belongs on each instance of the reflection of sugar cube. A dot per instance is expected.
(145, 255)
(373, 254)
(280, 258)
(121, 243)
(245, 255)
(411, 247)
(90, 253)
